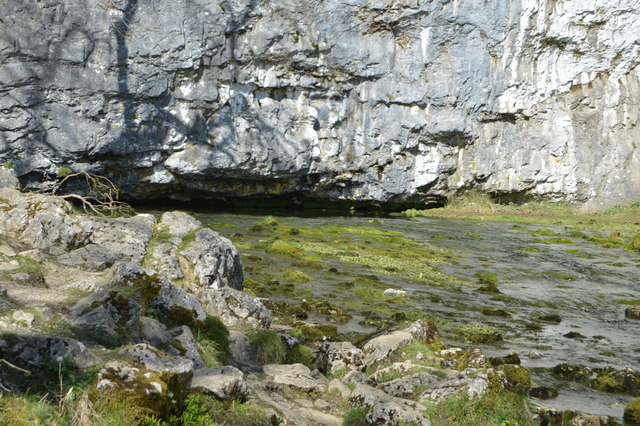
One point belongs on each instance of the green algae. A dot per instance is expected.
(294, 276)
(477, 333)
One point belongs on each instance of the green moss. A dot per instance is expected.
(530, 249)
(63, 172)
(187, 240)
(282, 247)
(314, 332)
(496, 312)
(518, 378)
(632, 302)
(559, 275)
(487, 278)
(294, 276)
(476, 333)
(632, 413)
(551, 318)
(558, 240)
(543, 232)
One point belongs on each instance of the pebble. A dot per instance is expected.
(394, 292)
(535, 355)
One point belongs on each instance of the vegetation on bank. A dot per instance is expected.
(480, 206)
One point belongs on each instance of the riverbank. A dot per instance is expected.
(480, 206)
(158, 319)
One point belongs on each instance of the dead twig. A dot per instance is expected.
(15, 367)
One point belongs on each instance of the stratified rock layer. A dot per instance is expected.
(368, 100)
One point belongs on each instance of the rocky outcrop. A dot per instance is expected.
(386, 101)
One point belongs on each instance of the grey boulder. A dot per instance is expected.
(225, 383)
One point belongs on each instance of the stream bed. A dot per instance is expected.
(554, 292)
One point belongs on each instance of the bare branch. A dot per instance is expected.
(15, 367)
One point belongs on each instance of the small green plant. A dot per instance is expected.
(355, 417)
(212, 337)
(63, 172)
(195, 414)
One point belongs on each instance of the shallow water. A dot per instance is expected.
(588, 289)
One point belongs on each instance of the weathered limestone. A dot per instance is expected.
(383, 409)
(334, 356)
(225, 383)
(235, 307)
(294, 376)
(359, 100)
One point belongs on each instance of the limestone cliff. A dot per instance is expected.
(382, 100)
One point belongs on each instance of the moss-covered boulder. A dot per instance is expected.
(632, 413)
(607, 379)
(633, 313)
(153, 379)
(518, 378)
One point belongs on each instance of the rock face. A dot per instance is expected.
(388, 101)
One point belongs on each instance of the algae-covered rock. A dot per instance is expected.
(633, 313)
(381, 347)
(632, 413)
(518, 378)
(155, 290)
(544, 392)
(424, 330)
(472, 382)
(608, 379)
(556, 417)
(406, 386)
(107, 317)
(510, 358)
